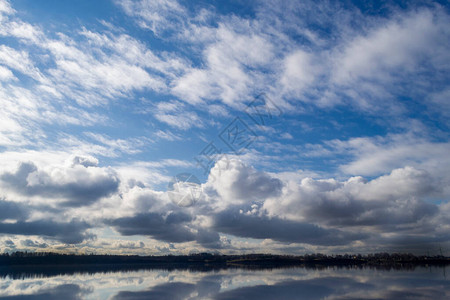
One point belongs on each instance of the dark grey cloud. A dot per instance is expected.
(208, 238)
(253, 185)
(262, 227)
(86, 188)
(9, 244)
(170, 228)
(84, 161)
(12, 210)
(174, 227)
(33, 244)
(355, 212)
(73, 232)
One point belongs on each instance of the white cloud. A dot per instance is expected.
(5, 7)
(232, 62)
(359, 209)
(236, 183)
(389, 59)
(75, 186)
(6, 74)
(397, 44)
(157, 16)
(128, 146)
(175, 114)
(91, 76)
(377, 155)
(167, 135)
(300, 71)
(20, 61)
(241, 201)
(286, 136)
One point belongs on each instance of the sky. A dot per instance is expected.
(176, 127)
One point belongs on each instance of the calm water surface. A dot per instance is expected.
(296, 283)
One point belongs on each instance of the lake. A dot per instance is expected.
(288, 283)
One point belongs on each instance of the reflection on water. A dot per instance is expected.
(293, 283)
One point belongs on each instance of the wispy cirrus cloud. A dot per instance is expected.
(157, 16)
(175, 114)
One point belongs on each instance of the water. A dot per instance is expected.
(294, 283)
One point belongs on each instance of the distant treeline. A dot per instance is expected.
(207, 259)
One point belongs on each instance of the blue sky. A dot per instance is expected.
(105, 102)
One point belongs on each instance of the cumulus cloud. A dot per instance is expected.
(264, 227)
(237, 183)
(243, 202)
(394, 199)
(76, 186)
(72, 232)
(12, 210)
(322, 211)
(172, 227)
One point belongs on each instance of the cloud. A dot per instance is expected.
(232, 66)
(73, 232)
(85, 161)
(394, 45)
(131, 245)
(6, 74)
(237, 183)
(76, 186)
(33, 244)
(167, 135)
(388, 60)
(158, 16)
(172, 227)
(375, 155)
(177, 115)
(305, 55)
(5, 8)
(72, 73)
(128, 146)
(263, 227)
(300, 71)
(9, 244)
(322, 211)
(388, 202)
(87, 72)
(19, 61)
(12, 210)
